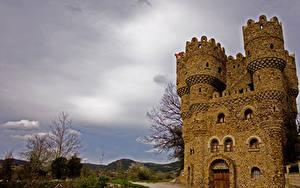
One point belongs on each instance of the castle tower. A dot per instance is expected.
(238, 113)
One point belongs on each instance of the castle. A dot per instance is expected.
(238, 113)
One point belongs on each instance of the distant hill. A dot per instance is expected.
(126, 163)
(16, 162)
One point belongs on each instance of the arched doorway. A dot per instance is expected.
(219, 174)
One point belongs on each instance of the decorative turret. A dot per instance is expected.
(265, 54)
(202, 69)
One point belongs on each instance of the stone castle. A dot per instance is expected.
(238, 113)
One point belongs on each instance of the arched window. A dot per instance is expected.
(221, 118)
(255, 173)
(253, 144)
(228, 145)
(248, 114)
(207, 64)
(214, 145)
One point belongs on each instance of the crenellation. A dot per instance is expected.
(238, 111)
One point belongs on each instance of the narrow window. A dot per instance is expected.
(248, 52)
(261, 26)
(214, 146)
(238, 65)
(192, 151)
(200, 89)
(221, 118)
(228, 145)
(253, 144)
(271, 46)
(219, 70)
(248, 114)
(255, 173)
(207, 64)
(199, 46)
(234, 66)
(259, 78)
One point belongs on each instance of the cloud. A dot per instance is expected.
(74, 132)
(147, 2)
(160, 79)
(21, 125)
(27, 136)
(144, 140)
(153, 150)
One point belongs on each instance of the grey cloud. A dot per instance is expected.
(160, 79)
(146, 2)
(96, 59)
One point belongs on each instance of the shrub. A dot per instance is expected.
(91, 182)
(59, 168)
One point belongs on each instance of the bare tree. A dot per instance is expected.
(64, 140)
(38, 152)
(167, 124)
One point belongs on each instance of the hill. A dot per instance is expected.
(16, 162)
(126, 163)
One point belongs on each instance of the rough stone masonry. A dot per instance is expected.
(238, 113)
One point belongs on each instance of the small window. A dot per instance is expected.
(200, 90)
(214, 146)
(199, 46)
(248, 52)
(192, 151)
(248, 114)
(241, 91)
(271, 46)
(261, 26)
(234, 66)
(207, 64)
(253, 144)
(221, 118)
(259, 78)
(255, 173)
(238, 65)
(228, 145)
(219, 70)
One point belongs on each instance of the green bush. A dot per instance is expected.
(141, 173)
(91, 182)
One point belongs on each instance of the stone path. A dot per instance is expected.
(161, 185)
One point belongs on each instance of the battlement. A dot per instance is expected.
(203, 46)
(262, 28)
(238, 60)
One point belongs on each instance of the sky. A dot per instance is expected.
(106, 62)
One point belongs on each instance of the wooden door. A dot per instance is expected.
(221, 178)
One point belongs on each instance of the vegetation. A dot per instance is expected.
(52, 162)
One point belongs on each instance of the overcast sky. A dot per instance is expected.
(105, 62)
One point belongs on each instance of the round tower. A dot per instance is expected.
(265, 54)
(201, 72)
